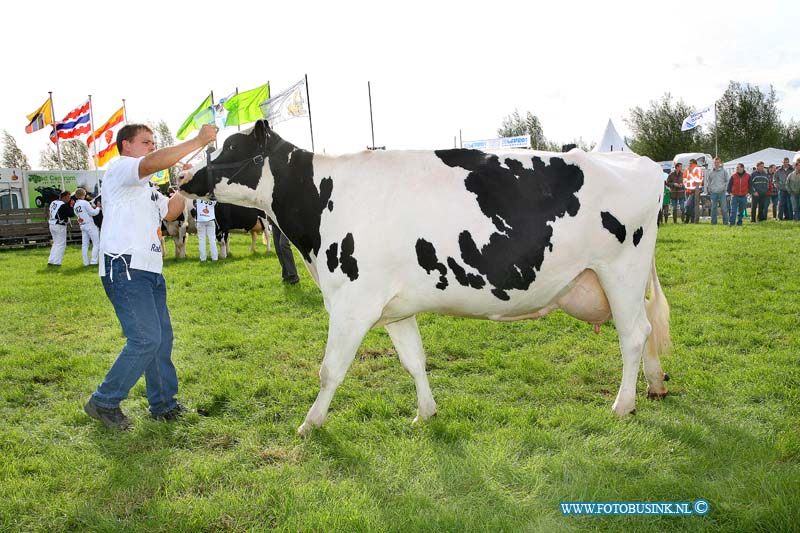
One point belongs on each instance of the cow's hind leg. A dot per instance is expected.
(407, 341)
(633, 328)
(345, 333)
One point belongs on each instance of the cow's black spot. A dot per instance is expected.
(466, 279)
(637, 236)
(333, 256)
(348, 262)
(426, 257)
(520, 202)
(325, 190)
(330, 205)
(614, 226)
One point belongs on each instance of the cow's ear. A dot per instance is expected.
(260, 130)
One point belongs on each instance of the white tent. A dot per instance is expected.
(611, 141)
(770, 156)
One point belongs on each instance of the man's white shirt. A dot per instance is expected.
(132, 212)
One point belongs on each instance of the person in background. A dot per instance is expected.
(677, 192)
(784, 202)
(793, 189)
(206, 227)
(772, 195)
(60, 210)
(716, 186)
(130, 270)
(84, 211)
(738, 187)
(664, 215)
(759, 190)
(693, 180)
(283, 248)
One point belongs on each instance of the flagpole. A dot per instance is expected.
(238, 126)
(371, 124)
(91, 125)
(124, 112)
(58, 145)
(716, 132)
(310, 125)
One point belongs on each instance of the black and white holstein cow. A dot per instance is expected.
(178, 229)
(232, 217)
(496, 236)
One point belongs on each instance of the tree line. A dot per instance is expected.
(747, 120)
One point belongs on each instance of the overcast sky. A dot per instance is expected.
(435, 67)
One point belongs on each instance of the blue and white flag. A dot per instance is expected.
(698, 118)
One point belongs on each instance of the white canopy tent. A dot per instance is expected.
(611, 141)
(770, 156)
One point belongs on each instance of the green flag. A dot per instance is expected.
(244, 107)
(189, 124)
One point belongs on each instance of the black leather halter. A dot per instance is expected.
(240, 165)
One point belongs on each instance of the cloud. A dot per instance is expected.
(793, 84)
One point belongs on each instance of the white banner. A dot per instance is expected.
(289, 104)
(521, 141)
(704, 116)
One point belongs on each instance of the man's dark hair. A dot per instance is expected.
(128, 132)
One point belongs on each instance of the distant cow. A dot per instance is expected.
(387, 235)
(233, 217)
(178, 229)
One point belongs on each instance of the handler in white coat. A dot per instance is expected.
(206, 228)
(84, 211)
(59, 212)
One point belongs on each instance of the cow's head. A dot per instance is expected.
(232, 173)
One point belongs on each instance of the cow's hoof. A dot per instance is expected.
(656, 395)
(305, 429)
(621, 410)
(419, 418)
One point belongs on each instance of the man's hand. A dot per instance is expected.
(208, 133)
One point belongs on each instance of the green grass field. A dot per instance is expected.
(524, 408)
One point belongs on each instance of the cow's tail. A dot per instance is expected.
(264, 230)
(657, 309)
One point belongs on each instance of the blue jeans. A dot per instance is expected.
(141, 306)
(738, 205)
(773, 198)
(677, 202)
(795, 206)
(718, 198)
(784, 205)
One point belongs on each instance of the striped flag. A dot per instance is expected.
(103, 140)
(77, 122)
(41, 117)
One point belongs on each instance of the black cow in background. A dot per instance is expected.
(234, 217)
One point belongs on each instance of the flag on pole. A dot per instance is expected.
(105, 145)
(189, 125)
(698, 118)
(213, 114)
(244, 107)
(41, 117)
(76, 123)
(289, 104)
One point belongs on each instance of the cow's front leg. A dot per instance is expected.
(345, 334)
(407, 341)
